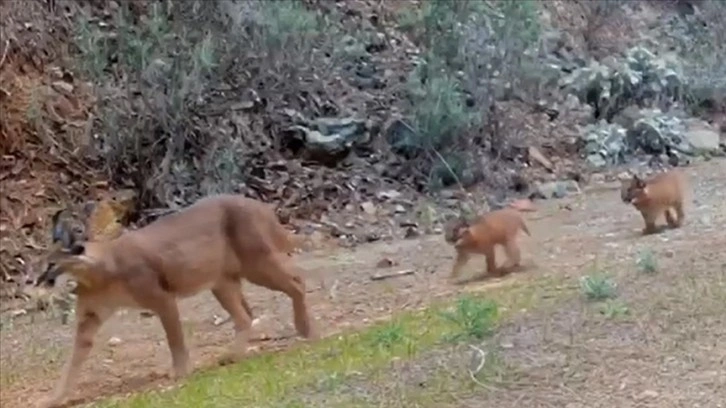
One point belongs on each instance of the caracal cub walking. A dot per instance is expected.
(499, 227)
(657, 195)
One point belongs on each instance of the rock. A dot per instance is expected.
(63, 87)
(399, 209)
(369, 208)
(702, 136)
(386, 263)
(596, 160)
(536, 155)
(330, 139)
(628, 116)
(555, 189)
(389, 195)
(411, 232)
(648, 394)
(571, 186)
(597, 178)
(114, 341)
(658, 133)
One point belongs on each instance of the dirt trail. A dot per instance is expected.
(563, 243)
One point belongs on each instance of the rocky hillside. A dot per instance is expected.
(360, 120)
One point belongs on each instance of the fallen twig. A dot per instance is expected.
(392, 275)
(482, 361)
(5, 52)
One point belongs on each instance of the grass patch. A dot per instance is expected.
(598, 287)
(646, 262)
(613, 309)
(388, 335)
(474, 318)
(267, 380)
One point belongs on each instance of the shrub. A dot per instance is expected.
(473, 317)
(157, 71)
(700, 42)
(597, 287)
(647, 262)
(477, 52)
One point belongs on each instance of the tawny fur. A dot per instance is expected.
(498, 227)
(212, 245)
(657, 195)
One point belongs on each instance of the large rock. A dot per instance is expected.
(655, 133)
(554, 189)
(330, 139)
(702, 136)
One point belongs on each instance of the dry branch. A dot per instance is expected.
(392, 275)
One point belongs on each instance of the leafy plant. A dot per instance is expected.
(647, 262)
(474, 318)
(597, 287)
(476, 51)
(156, 72)
(612, 309)
(389, 335)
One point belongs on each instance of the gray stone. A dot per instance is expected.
(701, 135)
(596, 160)
(555, 189)
(331, 138)
(368, 207)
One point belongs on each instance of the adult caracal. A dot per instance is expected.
(213, 244)
(497, 227)
(655, 196)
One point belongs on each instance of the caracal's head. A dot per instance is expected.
(70, 254)
(454, 229)
(632, 189)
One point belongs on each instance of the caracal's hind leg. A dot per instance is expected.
(491, 257)
(275, 272)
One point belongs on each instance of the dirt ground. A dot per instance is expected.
(665, 353)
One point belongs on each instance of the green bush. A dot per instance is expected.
(698, 39)
(477, 52)
(474, 318)
(598, 287)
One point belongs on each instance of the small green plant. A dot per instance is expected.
(597, 287)
(647, 262)
(474, 318)
(288, 24)
(613, 309)
(439, 113)
(389, 335)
